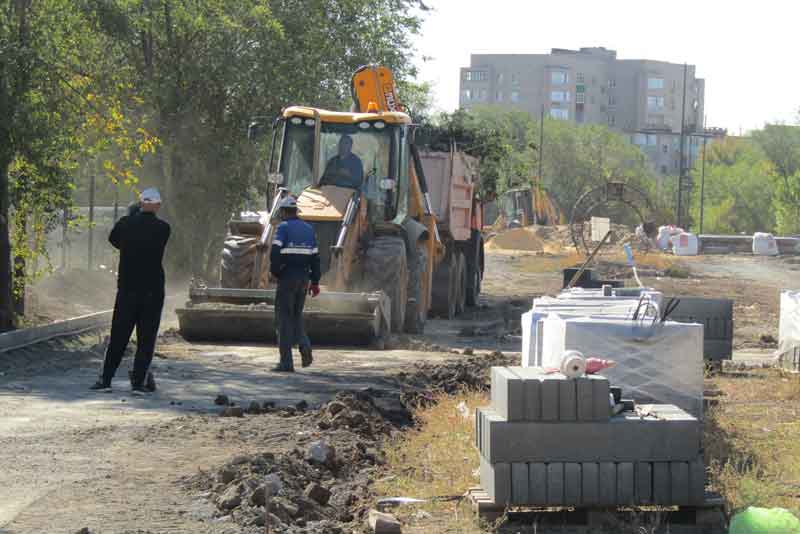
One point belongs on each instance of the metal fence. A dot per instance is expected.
(81, 241)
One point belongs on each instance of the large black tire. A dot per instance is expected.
(416, 310)
(238, 261)
(386, 269)
(474, 255)
(461, 283)
(444, 291)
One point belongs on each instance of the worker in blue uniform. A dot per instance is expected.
(294, 262)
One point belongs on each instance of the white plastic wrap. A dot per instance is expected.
(789, 328)
(592, 303)
(661, 364)
(765, 244)
(685, 244)
(665, 233)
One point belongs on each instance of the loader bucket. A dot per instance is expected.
(231, 315)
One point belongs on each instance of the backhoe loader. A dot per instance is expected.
(359, 181)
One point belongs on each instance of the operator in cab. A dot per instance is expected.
(294, 262)
(344, 169)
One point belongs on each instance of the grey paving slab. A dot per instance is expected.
(537, 487)
(567, 400)
(507, 394)
(644, 482)
(600, 399)
(532, 386)
(496, 481)
(555, 483)
(679, 472)
(550, 394)
(608, 483)
(585, 399)
(626, 489)
(590, 484)
(672, 436)
(572, 484)
(697, 481)
(519, 483)
(662, 482)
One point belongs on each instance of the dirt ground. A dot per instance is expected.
(117, 464)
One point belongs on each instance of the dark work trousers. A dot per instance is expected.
(142, 310)
(290, 299)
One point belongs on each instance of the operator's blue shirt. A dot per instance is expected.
(294, 254)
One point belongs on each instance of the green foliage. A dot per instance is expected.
(575, 157)
(738, 188)
(781, 145)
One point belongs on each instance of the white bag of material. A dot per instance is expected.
(665, 233)
(659, 364)
(765, 244)
(789, 326)
(685, 244)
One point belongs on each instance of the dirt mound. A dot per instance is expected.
(517, 239)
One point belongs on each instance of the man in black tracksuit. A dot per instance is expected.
(294, 262)
(141, 238)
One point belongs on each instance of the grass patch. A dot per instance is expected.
(438, 459)
(752, 440)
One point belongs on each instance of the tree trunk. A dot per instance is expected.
(6, 280)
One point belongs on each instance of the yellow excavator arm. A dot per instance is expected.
(374, 90)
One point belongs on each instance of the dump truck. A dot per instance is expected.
(453, 178)
(378, 238)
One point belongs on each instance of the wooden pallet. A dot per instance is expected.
(706, 519)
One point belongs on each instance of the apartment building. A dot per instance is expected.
(641, 98)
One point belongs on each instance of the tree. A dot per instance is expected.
(738, 188)
(781, 146)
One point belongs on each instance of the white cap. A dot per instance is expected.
(150, 196)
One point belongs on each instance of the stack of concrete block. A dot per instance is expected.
(547, 440)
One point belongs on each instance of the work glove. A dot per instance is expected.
(313, 290)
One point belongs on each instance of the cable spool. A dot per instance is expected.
(573, 364)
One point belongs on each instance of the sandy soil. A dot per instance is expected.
(114, 463)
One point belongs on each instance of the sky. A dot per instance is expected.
(745, 50)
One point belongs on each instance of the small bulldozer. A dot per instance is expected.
(359, 180)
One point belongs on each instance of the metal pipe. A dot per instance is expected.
(703, 176)
(683, 128)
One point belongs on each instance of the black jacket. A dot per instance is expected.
(141, 240)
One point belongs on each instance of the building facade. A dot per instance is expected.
(641, 98)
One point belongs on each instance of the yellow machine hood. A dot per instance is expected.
(324, 203)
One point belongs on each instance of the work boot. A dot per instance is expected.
(282, 369)
(140, 391)
(101, 387)
(306, 357)
(150, 382)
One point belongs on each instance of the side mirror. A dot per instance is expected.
(275, 178)
(255, 131)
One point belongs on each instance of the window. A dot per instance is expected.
(655, 103)
(652, 139)
(560, 114)
(558, 77)
(665, 149)
(663, 169)
(467, 94)
(612, 120)
(612, 101)
(480, 94)
(500, 78)
(515, 96)
(498, 96)
(655, 83)
(476, 76)
(580, 98)
(579, 78)
(559, 96)
(640, 139)
(612, 83)
(515, 79)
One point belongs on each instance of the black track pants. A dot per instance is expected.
(140, 310)
(290, 299)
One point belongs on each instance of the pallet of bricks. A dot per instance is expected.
(550, 442)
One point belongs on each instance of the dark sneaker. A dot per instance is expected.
(139, 391)
(307, 358)
(282, 369)
(100, 387)
(150, 382)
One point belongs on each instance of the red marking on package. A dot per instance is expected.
(684, 240)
